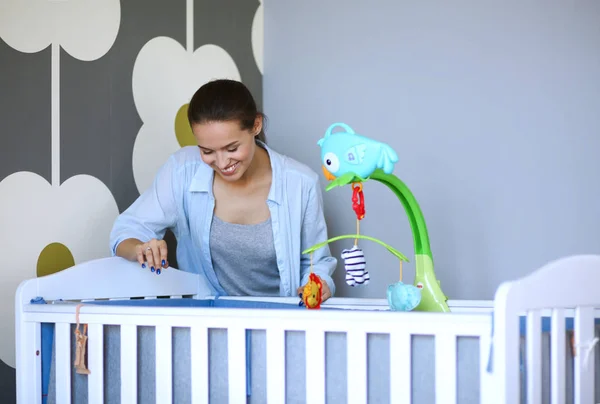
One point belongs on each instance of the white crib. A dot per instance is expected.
(302, 356)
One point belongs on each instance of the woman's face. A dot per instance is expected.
(226, 147)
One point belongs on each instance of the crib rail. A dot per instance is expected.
(356, 325)
(564, 287)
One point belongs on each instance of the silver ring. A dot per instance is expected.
(149, 248)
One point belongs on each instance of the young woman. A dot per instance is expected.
(241, 212)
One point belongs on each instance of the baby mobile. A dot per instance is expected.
(349, 158)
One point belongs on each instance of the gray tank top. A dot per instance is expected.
(244, 259)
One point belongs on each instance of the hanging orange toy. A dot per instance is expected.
(311, 295)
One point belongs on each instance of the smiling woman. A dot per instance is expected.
(244, 228)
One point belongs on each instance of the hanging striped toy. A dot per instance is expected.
(355, 265)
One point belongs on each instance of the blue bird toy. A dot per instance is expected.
(347, 152)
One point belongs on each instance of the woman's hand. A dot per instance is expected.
(325, 291)
(154, 252)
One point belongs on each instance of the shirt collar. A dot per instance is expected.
(203, 179)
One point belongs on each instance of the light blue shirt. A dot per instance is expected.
(181, 199)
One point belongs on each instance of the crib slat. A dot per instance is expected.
(199, 358)
(486, 389)
(96, 364)
(315, 366)
(356, 343)
(30, 388)
(400, 367)
(236, 359)
(445, 368)
(275, 365)
(164, 365)
(558, 357)
(63, 363)
(584, 371)
(534, 357)
(129, 363)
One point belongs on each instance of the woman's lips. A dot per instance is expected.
(230, 170)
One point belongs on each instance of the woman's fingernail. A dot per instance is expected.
(152, 269)
(143, 265)
(163, 262)
(157, 271)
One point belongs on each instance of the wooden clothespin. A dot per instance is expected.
(81, 342)
(573, 350)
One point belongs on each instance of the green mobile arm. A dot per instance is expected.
(389, 248)
(433, 299)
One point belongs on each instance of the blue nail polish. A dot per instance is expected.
(163, 262)
(157, 271)
(143, 265)
(152, 269)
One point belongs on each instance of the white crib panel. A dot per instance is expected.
(96, 363)
(545, 288)
(315, 373)
(356, 366)
(405, 323)
(199, 363)
(163, 347)
(63, 362)
(95, 279)
(445, 368)
(558, 357)
(128, 364)
(236, 361)
(400, 366)
(275, 345)
(534, 357)
(584, 358)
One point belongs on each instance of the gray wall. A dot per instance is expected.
(493, 108)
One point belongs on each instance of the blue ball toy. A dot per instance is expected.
(403, 296)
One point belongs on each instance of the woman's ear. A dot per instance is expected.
(258, 121)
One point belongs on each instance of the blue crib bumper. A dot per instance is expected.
(47, 329)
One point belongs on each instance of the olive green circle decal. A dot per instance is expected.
(54, 258)
(183, 131)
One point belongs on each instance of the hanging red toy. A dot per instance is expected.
(358, 205)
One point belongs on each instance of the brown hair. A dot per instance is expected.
(225, 100)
